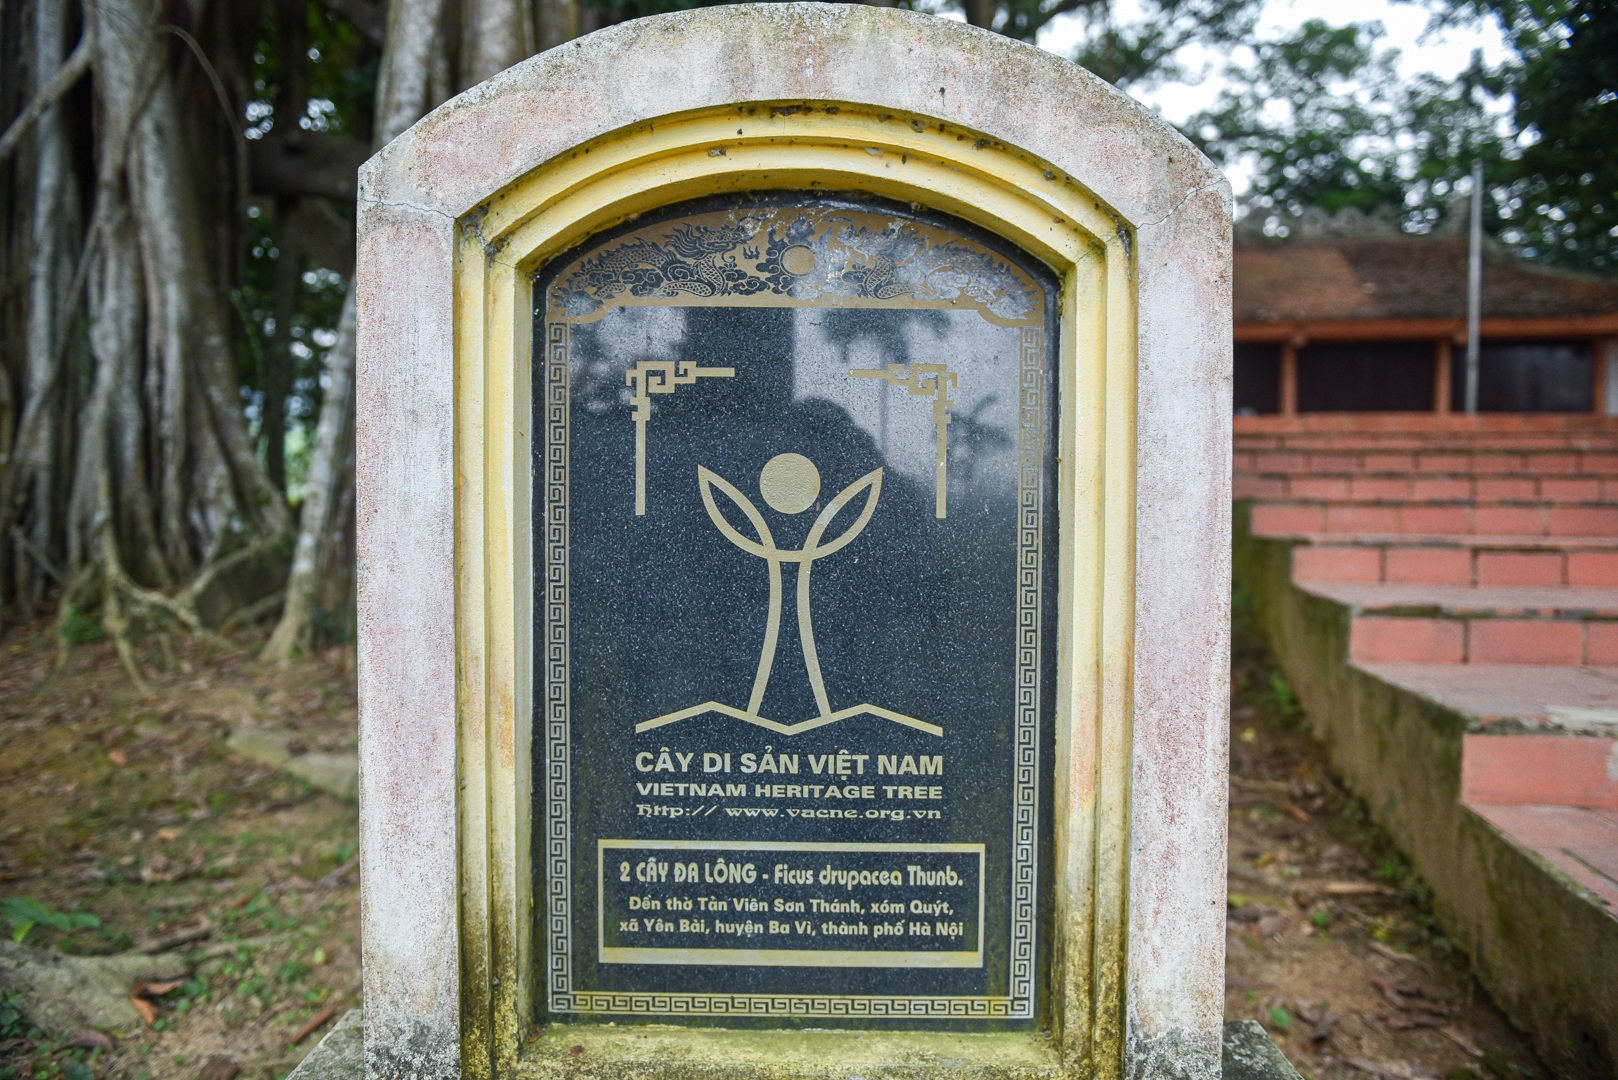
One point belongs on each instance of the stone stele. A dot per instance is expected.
(815, 166)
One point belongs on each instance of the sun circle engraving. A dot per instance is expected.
(797, 260)
(789, 483)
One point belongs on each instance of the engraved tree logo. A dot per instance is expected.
(789, 484)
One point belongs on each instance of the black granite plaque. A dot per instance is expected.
(794, 558)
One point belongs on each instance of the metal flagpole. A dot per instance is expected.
(1474, 287)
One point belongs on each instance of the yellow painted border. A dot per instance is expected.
(829, 147)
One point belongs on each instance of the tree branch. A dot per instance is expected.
(71, 71)
(1061, 8)
(367, 18)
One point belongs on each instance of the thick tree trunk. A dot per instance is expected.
(51, 305)
(294, 633)
(404, 93)
(112, 430)
(556, 22)
(981, 12)
(215, 494)
(403, 85)
(126, 463)
(495, 34)
(116, 332)
(165, 487)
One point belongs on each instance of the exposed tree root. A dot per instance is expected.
(252, 613)
(131, 612)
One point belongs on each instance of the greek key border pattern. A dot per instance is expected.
(1019, 1004)
(1031, 405)
(558, 763)
(822, 1005)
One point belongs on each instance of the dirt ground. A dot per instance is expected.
(1330, 940)
(131, 810)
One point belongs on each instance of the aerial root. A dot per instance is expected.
(124, 603)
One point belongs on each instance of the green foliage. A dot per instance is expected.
(24, 913)
(77, 628)
(1246, 635)
(1281, 698)
(1143, 51)
(1123, 53)
(337, 73)
(332, 626)
(317, 308)
(1563, 200)
(1280, 1018)
(13, 1024)
(338, 70)
(1323, 119)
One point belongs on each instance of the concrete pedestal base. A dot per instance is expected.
(1250, 1054)
(341, 1055)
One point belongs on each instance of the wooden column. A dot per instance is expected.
(1442, 367)
(1289, 378)
(1605, 353)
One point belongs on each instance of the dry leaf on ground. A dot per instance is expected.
(141, 995)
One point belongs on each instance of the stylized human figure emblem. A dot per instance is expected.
(789, 483)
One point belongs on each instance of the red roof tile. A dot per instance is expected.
(1402, 277)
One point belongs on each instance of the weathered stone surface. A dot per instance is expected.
(63, 993)
(335, 774)
(1250, 1054)
(1170, 204)
(339, 1056)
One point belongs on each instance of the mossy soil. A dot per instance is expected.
(1331, 943)
(128, 808)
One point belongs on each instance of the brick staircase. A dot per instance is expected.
(1456, 577)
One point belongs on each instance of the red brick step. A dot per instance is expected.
(1361, 486)
(1456, 559)
(1433, 518)
(1478, 625)
(1602, 461)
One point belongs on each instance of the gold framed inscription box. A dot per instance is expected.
(758, 918)
(800, 571)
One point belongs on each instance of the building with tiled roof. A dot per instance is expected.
(1378, 324)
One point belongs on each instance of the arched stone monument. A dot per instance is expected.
(794, 453)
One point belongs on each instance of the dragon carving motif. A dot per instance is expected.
(810, 257)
